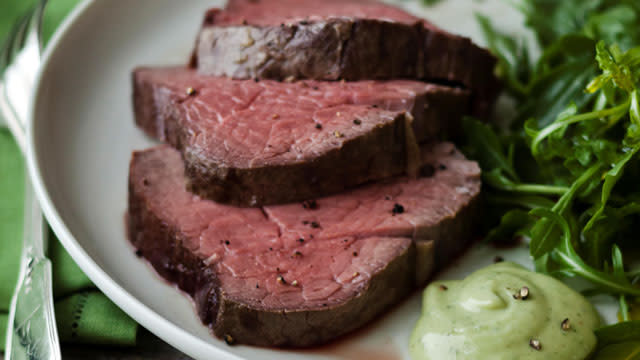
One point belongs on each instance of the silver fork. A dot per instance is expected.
(32, 332)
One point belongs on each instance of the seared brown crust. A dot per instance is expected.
(383, 152)
(350, 49)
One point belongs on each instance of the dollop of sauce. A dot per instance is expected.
(504, 311)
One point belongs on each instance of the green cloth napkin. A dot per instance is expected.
(83, 314)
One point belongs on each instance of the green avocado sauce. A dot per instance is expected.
(504, 311)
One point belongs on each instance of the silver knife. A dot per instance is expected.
(32, 332)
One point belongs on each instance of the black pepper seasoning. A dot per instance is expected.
(319, 126)
(535, 344)
(443, 288)
(229, 340)
(310, 204)
(191, 91)
(566, 324)
(427, 171)
(301, 240)
(227, 242)
(315, 225)
(498, 259)
(357, 121)
(522, 294)
(355, 253)
(397, 209)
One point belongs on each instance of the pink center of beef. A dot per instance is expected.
(301, 255)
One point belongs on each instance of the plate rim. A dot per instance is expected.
(171, 333)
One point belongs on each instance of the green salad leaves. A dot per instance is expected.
(565, 172)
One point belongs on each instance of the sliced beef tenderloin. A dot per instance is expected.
(256, 143)
(337, 39)
(303, 274)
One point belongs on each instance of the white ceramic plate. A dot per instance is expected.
(81, 137)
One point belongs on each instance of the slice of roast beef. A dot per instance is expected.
(255, 143)
(301, 274)
(338, 39)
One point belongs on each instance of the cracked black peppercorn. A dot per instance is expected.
(310, 204)
(397, 209)
(229, 340)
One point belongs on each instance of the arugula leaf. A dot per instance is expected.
(512, 54)
(618, 333)
(510, 223)
(564, 121)
(597, 241)
(623, 351)
(552, 91)
(485, 146)
(612, 69)
(612, 25)
(566, 255)
(610, 179)
(542, 240)
(550, 19)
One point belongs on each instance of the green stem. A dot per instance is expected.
(633, 273)
(568, 196)
(540, 189)
(529, 202)
(578, 267)
(544, 133)
(624, 308)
